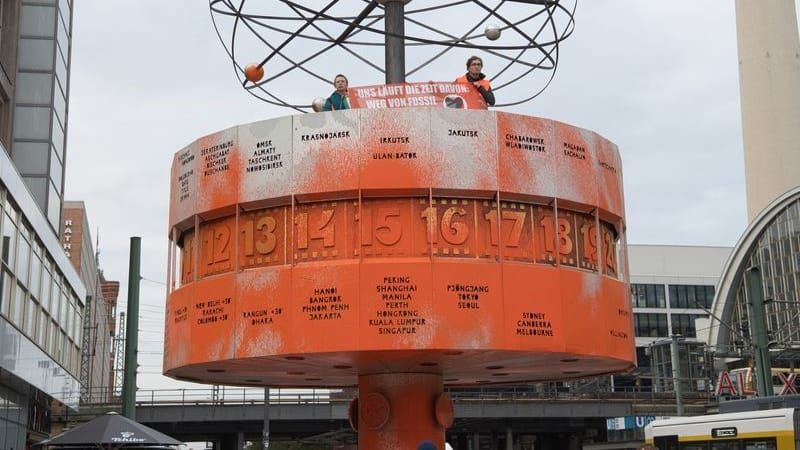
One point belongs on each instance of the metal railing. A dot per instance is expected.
(224, 395)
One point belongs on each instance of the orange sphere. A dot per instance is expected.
(253, 73)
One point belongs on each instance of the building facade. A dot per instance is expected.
(40, 100)
(671, 288)
(772, 244)
(42, 298)
(42, 301)
(97, 355)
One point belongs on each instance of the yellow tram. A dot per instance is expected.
(774, 429)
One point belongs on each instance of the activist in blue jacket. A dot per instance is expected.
(338, 100)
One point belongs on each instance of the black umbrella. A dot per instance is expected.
(111, 431)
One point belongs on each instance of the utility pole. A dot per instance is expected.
(677, 385)
(265, 429)
(132, 331)
(758, 331)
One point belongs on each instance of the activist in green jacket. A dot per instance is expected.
(338, 100)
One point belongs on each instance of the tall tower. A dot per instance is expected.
(769, 82)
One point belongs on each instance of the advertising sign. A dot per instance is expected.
(628, 422)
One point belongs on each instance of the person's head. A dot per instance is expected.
(426, 445)
(474, 65)
(340, 83)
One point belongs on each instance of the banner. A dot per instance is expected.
(433, 94)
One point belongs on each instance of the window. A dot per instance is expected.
(35, 88)
(64, 347)
(5, 302)
(677, 296)
(683, 324)
(18, 306)
(32, 312)
(691, 296)
(23, 259)
(57, 135)
(52, 336)
(56, 171)
(31, 157)
(37, 21)
(41, 337)
(77, 322)
(650, 325)
(9, 240)
(725, 445)
(35, 284)
(705, 296)
(648, 295)
(36, 54)
(60, 106)
(58, 346)
(32, 122)
(760, 444)
(65, 10)
(55, 300)
(12, 419)
(38, 187)
(53, 206)
(63, 39)
(63, 308)
(47, 281)
(70, 317)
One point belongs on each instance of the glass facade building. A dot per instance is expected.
(40, 101)
(41, 311)
(772, 244)
(42, 298)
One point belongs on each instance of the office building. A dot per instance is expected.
(42, 298)
(99, 327)
(41, 307)
(41, 90)
(671, 287)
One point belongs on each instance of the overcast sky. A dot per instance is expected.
(659, 78)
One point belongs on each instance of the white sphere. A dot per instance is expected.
(318, 104)
(492, 32)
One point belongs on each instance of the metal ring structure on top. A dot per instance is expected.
(302, 44)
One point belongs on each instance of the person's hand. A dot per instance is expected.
(477, 84)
